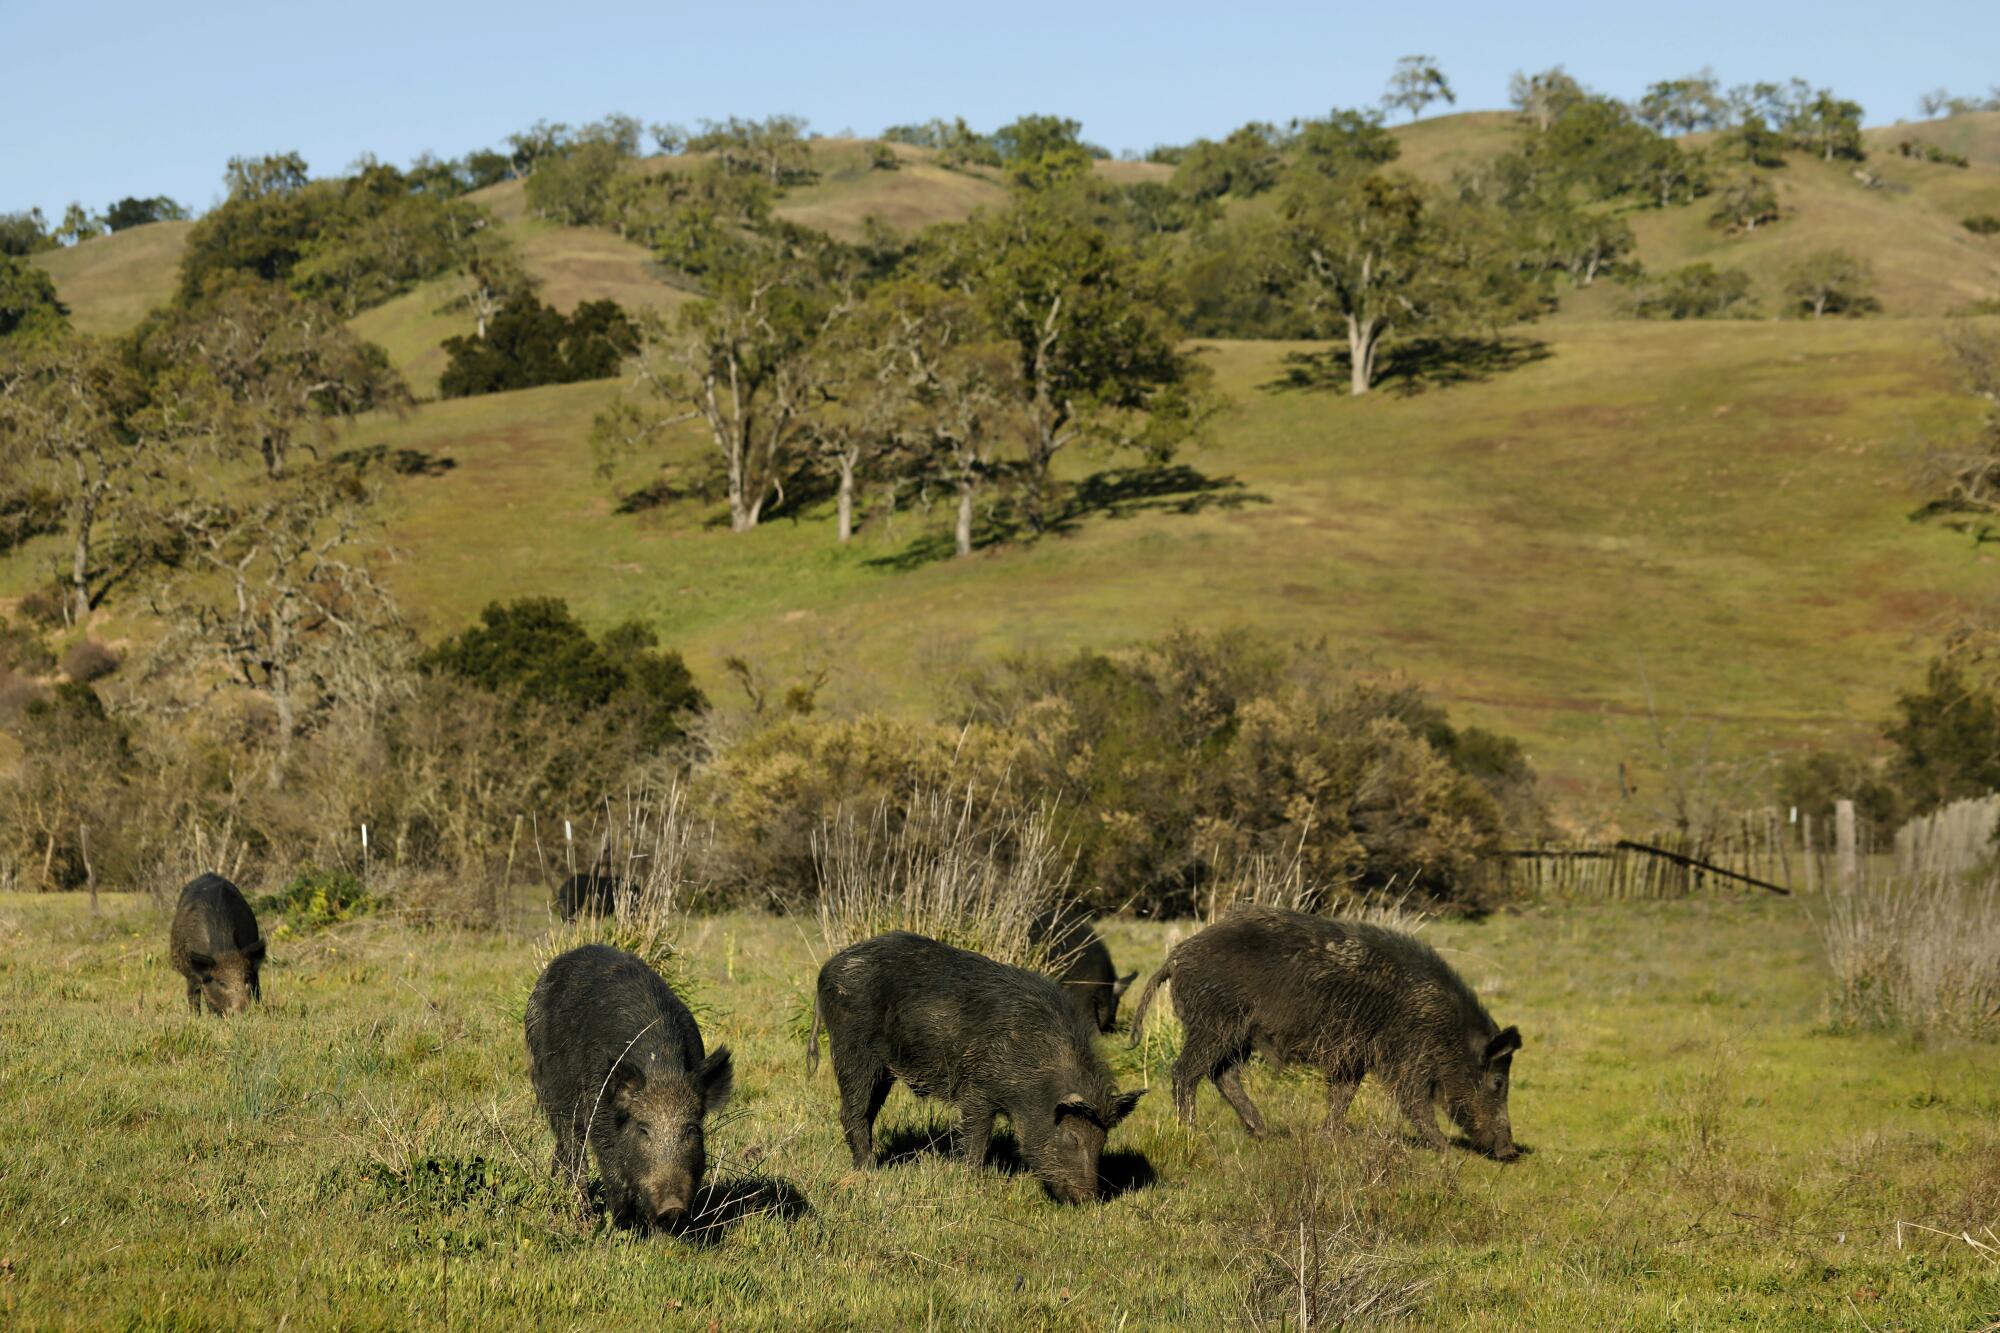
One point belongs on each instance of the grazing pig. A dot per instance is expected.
(617, 1062)
(983, 1036)
(593, 894)
(1349, 998)
(214, 943)
(1086, 975)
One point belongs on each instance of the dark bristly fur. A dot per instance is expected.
(1086, 975)
(215, 944)
(591, 894)
(1348, 998)
(988, 1038)
(616, 1060)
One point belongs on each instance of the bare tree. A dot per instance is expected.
(1961, 481)
(958, 394)
(265, 371)
(742, 363)
(490, 272)
(289, 608)
(67, 407)
(1417, 83)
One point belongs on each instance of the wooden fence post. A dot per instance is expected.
(1849, 864)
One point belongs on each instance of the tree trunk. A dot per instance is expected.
(281, 689)
(846, 498)
(1362, 339)
(79, 562)
(962, 534)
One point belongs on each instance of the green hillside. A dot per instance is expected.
(1712, 515)
(1709, 515)
(110, 282)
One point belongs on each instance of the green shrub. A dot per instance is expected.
(1984, 224)
(528, 344)
(316, 898)
(534, 648)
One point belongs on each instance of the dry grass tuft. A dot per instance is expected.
(1317, 1260)
(656, 848)
(1916, 953)
(943, 873)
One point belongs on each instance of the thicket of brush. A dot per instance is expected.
(1160, 778)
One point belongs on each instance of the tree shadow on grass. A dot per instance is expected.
(1113, 493)
(1414, 366)
(1119, 1172)
(402, 462)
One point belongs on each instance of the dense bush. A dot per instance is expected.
(528, 344)
(1983, 224)
(535, 649)
(1182, 758)
(353, 242)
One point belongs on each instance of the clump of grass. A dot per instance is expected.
(942, 872)
(317, 897)
(1281, 881)
(655, 847)
(1921, 954)
(1316, 1258)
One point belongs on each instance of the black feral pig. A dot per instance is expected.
(214, 943)
(983, 1036)
(1085, 974)
(617, 1062)
(593, 894)
(1348, 998)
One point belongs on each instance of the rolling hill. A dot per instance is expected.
(1642, 544)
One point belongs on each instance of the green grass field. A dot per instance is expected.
(363, 1152)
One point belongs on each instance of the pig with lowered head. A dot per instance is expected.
(1349, 998)
(983, 1036)
(617, 1064)
(1084, 964)
(215, 945)
(591, 894)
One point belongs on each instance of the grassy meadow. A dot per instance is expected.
(363, 1151)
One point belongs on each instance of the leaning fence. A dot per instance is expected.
(1764, 851)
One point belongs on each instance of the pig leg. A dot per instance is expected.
(1229, 1082)
(194, 995)
(1201, 1054)
(1341, 1084)
(862, 1092)
(1416, 1106)
(567, 1164)
(975, 1131)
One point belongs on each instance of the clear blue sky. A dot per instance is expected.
(106, 99)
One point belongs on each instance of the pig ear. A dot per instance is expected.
(717, 1077)
(1505, 1042)
(1076, 1104)
(201, 962)
(1122, 1105)
(626, 1079)
(1119, 986)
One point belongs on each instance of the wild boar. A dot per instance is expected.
(1348, 998)
(985, 1037)
(591, 894)
(617, 1063)
(1085, 971)
(215, 944)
